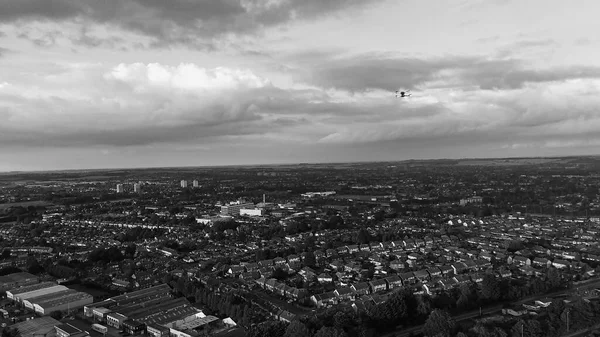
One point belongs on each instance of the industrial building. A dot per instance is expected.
(67, 330)
(28, 303)
(234, 208)
(15, 280)
(43, 326)
(136, 310)
(22, 293)
(252, 212)
(66, 302)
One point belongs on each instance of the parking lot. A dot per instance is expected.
(87, 326)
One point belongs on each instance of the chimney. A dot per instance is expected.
(264, 199)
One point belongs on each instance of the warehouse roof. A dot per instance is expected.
(33, 287)
(53, 302)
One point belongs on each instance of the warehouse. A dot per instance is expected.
(28, 303)
(43, 326)
(67, 302)
(115, 319)
(15, 280)
(16, 292)
(133, 298)
(39, 292)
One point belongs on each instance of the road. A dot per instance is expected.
(490, 310)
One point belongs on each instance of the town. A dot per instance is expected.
(492, 247)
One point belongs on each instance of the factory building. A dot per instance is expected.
(66, 302)
(234, 208)
(133, 312)
(22, 293)
(28, 303)
(15, 280)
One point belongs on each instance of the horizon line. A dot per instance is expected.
(291, 164)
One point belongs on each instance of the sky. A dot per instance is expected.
(155, 83)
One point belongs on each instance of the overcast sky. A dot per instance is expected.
(137, 83)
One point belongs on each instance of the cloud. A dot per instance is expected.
(177, 21)
(141, 104)
(187, 105)
(389, 72)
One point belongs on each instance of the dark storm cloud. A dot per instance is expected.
(361, 73)
(177, 21)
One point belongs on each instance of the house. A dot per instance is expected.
(364, 248)
(458, 267)
(422, 275)
(324, 299)
(504, 273)
(519, 260)
(121, 283)
(361, 288)
(331, 253)
(344, 293)
(337, 265)
(408, 278)
(471, 265)
(477, 277)
(279, 289)
(308, 274)
(279, 261)
(265, 263)
(462, 279)
(270, 284)
(294, 259)
(297, 294)
(378, 285)
(352, 249)
(541, 262)
(560, 264)
(447, 284)
(393, 282)
(251, 266)
(447, 270)
(413, 256)
(261, 282)
(397, 265)
(324, 278)
(251, 275)
(343, 250)
(235, 271)
(434, 272)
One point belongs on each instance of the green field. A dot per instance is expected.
(25, 204)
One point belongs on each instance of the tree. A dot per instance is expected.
(363, 236)
(33, 266)
(327, 331)
(529, 328)
(490, 287)
(279, 274)
(310, 260)
(553, 277)
(6, 253)
(57, 315)
(297, 329)
(424, 307)
(268, 329)
(439, 323)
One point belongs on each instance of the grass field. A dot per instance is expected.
(25, 204)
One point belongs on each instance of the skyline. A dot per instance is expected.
(128, 83)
